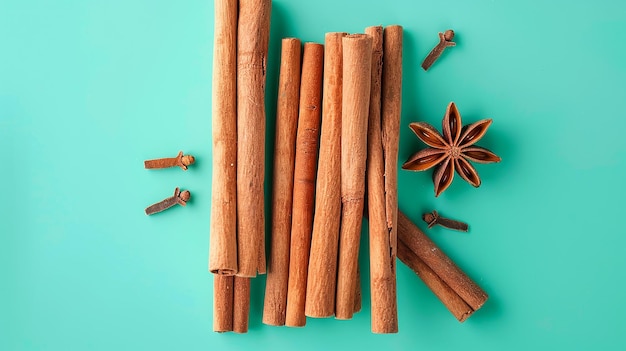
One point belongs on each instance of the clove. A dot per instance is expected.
(445, 40)
(180, 160)
(434, 218)
(180, 198)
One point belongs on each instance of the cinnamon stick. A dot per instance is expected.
(357, 58)
(241, 304)
(391, 109)
(453, 302)
(223, 237)
(381, 239)
(222, 303)
(418, 243)
(252, 46)
(307, 141)
(275, 305)
(358, 297)
(322, 274)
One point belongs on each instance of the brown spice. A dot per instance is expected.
(357, 65)
(455, 304)
(241, 304)
(433, 218)
(223, 303)
(322, 275)
(275, 303)
(445, 40)
(180, 160)
(358, 295)
(223, 227)
(252, 46)
(305, 170)
(179, 198)
(381, 229)
(231, 303)
(425, 249)
(451, 151)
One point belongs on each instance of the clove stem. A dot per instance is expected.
(445, 40)
(179, 197)
(180, 160)
(434, 218)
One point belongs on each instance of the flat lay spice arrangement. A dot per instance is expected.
(335, 163)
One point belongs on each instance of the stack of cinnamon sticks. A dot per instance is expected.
(237, 241)
(455, 289)
(337, 134)
(328, 95)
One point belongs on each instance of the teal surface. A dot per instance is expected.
(89, 89)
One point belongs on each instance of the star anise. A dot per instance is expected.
(451, 151)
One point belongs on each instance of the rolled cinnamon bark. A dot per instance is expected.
(275, 305)
(241, 304)
(222, 303)
(418, 243)
(223, 237)
(307, 141)
(382, 241)
(453, 302)
(358, 297)
(322, 275)
(252, 45)
(391, 109)
(357, 58)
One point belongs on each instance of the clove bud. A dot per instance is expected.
(445, 40)
(434, 218)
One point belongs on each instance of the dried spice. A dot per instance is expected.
(451, 151)
(433, 219)
(180, 160)
(458, 292)
(445, 40)
(180, 198)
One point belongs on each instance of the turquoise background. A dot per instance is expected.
(89, 89)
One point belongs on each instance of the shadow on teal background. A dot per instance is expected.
(89, 89)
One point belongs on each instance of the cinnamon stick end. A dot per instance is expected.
(335, 34)
(274, 320)
(314, 312)
(344, 315)
(358, 36)
(463, 317)
(224, 271)
(243, 274)
(475, 307)
(295, 323)
(386, 330)
(293, 41)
